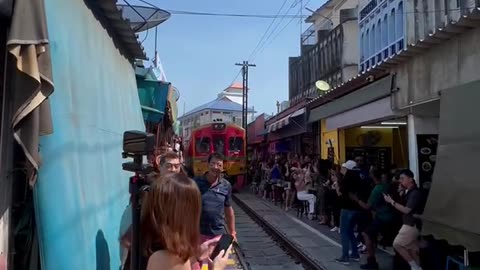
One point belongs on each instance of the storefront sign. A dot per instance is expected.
(427, 154)
(373, 156)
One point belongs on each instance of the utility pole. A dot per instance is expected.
(245, 65)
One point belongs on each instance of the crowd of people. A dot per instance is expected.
(182, 219)
(367, 206)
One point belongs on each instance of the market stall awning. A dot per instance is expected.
(153, 99)
(449, 213)
(31, 76)
(297, 113)
(279, 124)
(364, 95)
(172, 100)
(285, 120)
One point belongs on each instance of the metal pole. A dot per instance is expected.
(156, 51)
(244, 94)
(246, 99)
(245, 66)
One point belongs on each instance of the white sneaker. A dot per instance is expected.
(335, 229)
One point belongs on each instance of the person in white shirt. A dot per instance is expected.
(302, 184)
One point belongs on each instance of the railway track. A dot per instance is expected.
(262, 247)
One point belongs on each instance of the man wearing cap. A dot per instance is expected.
(350, 185)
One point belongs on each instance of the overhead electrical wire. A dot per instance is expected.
(260, 16)
(218, 14)
(279, 32)
(271, 16)
(262, 39)
(262, 44)
(266, 31)
(283, 28)
(277, 25)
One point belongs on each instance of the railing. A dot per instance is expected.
(367, 9)
(383, 54)
(309, 37)
(316, 62)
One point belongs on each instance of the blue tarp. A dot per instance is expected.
(153, 98)
(152, 92)
(81, 191)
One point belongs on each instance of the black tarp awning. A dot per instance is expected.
(455, 193)
(32, 83)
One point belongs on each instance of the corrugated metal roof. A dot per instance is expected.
(110, 16)
(218, 104)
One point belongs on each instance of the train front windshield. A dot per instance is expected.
(235, 145)
(219, 144)
(202, 146)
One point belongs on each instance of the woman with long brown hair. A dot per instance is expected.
(169, 234)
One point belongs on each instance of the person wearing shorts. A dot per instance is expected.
(406, 241)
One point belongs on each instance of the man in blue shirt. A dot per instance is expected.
(216, 202)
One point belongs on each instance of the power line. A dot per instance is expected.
(278, 24)
(281, 30)
(262, 39)
(289, 16)
(260, 16)
(284, 27)
(261, 45)
(219, 14)
(266, 31)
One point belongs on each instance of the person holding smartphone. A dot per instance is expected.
(217, 216)
(169, 241)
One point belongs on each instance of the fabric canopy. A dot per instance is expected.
(172, 101)
(153, 98)
(449, 213)
(31, 78)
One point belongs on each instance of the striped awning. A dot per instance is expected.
(279, 124)
(284, 121)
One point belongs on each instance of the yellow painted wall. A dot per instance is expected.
(396, 139)
(338, 139)
(352, 135)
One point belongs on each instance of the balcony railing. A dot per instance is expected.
(320, 61)
(309, 37)
(383, 54)
(367, 9)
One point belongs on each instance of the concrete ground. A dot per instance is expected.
(314, 240)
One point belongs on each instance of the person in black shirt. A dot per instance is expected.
(350, 185)
(405, 242)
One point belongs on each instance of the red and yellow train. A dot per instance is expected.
(226, 139)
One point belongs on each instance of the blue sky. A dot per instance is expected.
(198, 53)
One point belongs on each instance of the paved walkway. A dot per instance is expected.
(313, 239)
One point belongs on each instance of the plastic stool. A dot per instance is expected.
(302, 208)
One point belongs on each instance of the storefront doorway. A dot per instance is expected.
(383, 144)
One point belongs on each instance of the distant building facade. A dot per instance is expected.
(382, 31)
(329, 50)
(227, 108)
